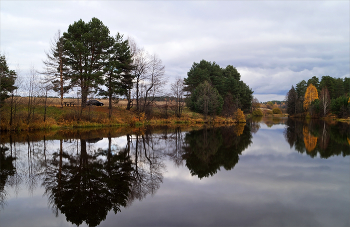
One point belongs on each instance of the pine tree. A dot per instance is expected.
(118, 79)
(86, 48)
(7, 80)
(206, 99)
(292, 99)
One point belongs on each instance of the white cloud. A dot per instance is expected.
(273, 44)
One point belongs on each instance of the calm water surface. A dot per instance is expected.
(269, 173)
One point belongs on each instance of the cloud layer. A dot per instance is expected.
(273, 44)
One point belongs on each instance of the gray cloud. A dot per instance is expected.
(273, 44)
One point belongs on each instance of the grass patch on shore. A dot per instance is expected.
(55, 117)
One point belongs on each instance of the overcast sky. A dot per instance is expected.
(273, 44)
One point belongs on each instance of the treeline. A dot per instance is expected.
(214, 90)
(89, 60)
(319, 98)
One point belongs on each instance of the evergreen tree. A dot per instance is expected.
(117, 71)
(300, 88)
(7, 80)
(347, 85)
(206, 99)
(200, 72)
(339, 84)
(292, 99)
(329, 82)
(314, 81)
(225, 80)
(86, 48)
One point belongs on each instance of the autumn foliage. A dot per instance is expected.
(276, 110)
(310, 95)
(239, 116)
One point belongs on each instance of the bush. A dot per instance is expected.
(276, 111)
(239, 116)
(257, 112)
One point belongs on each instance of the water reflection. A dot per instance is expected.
(86, 185)
(86, 174)
(208, 149)
(84, 181)
(318, 137)
(7, 170)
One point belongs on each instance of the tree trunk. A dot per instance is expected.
(128, 95)
(11, 111)
(110, 96)
(110, 105)
(46, 105)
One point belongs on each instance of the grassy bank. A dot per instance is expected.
(55, 117)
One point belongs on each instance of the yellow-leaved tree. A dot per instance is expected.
(310, 95)
(238, 116)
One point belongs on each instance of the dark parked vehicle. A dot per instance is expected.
(94, 103)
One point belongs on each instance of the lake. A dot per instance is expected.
(268, 172)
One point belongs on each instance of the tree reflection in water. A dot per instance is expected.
(7, 169)
(86, 185)
(148, 166)
(84, 182)
(318, 137)
(208, 149)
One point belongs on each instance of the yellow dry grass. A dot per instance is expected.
(57, 101)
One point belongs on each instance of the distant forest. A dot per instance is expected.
(315, 98)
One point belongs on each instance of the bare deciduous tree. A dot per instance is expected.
(153, 82)
(255, 104)
(325, 101)
(149, 77)
(32, 88)
(177, 89)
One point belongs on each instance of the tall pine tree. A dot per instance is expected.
(118, 79)
(86, 51)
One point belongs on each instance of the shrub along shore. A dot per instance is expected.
(54, 117)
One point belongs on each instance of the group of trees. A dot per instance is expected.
(319, 98)
(214, 90)
(87, 57)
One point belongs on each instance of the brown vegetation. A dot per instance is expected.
(54, 116)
